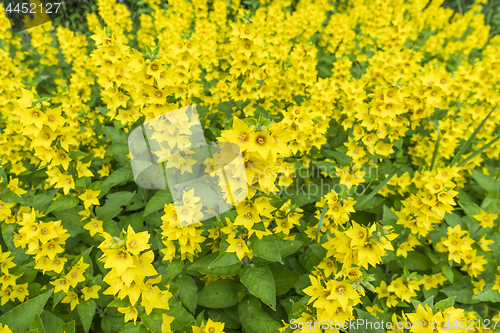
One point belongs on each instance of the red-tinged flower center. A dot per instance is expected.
(261, 140)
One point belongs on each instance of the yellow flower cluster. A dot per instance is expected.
(130, 263)
(10, 290)
(71, 280)
(187, 238)
(434, 198)
(45, 240)
(351, 84)
(460, 248)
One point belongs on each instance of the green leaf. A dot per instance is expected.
(153, 320)
(487, 295)
(158, 201)
(67, 328)
(57, 298)
(119, 303)
(415, 261)
(436, 147)
(389, 214)
(42, 200)
(130, 327)
(464, 147)
(50, 321)
(260, 321)
(368, 321)
(224, 259)
(447, 272)
(444, 304)
(429, 301)
(181, 317)
(114, 205)
(487, 183)
(220, 294)
(27, 311)
(63, 202)
(115, 135)
(320, 222)
(8, 236)
(284, 279)
(71, 220)
(188, 292)
(260, 283)
(173, 269)
(288, 247)
(117, 149)
(222, 315)
(244, 313)
(86, 311)
(312, 256)
(120, 176)
(202, 266)
(265, 248)
(462, 289)
(37, 325)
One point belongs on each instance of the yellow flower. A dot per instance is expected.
(484, 243)
(130, 313)
(136, 243)
(6, 329)
(91, 292)
(423, 315)
(83, 170)
(487, 219)
(478, 286)
(14, 187)
(342, 292)
(261, 142)
(60, 284)
(20, 291)
(104, 171)
(65, 182)
(237, 245)
(89, 197)
(118, 259)
(72, 298)
(374, 309)
(94, 226)
(44, 138)
(166, 322)
(328, 267)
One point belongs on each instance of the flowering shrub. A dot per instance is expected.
(369, 132)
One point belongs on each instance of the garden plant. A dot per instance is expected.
(369, 133)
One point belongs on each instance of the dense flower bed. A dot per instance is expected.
(369, 135)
